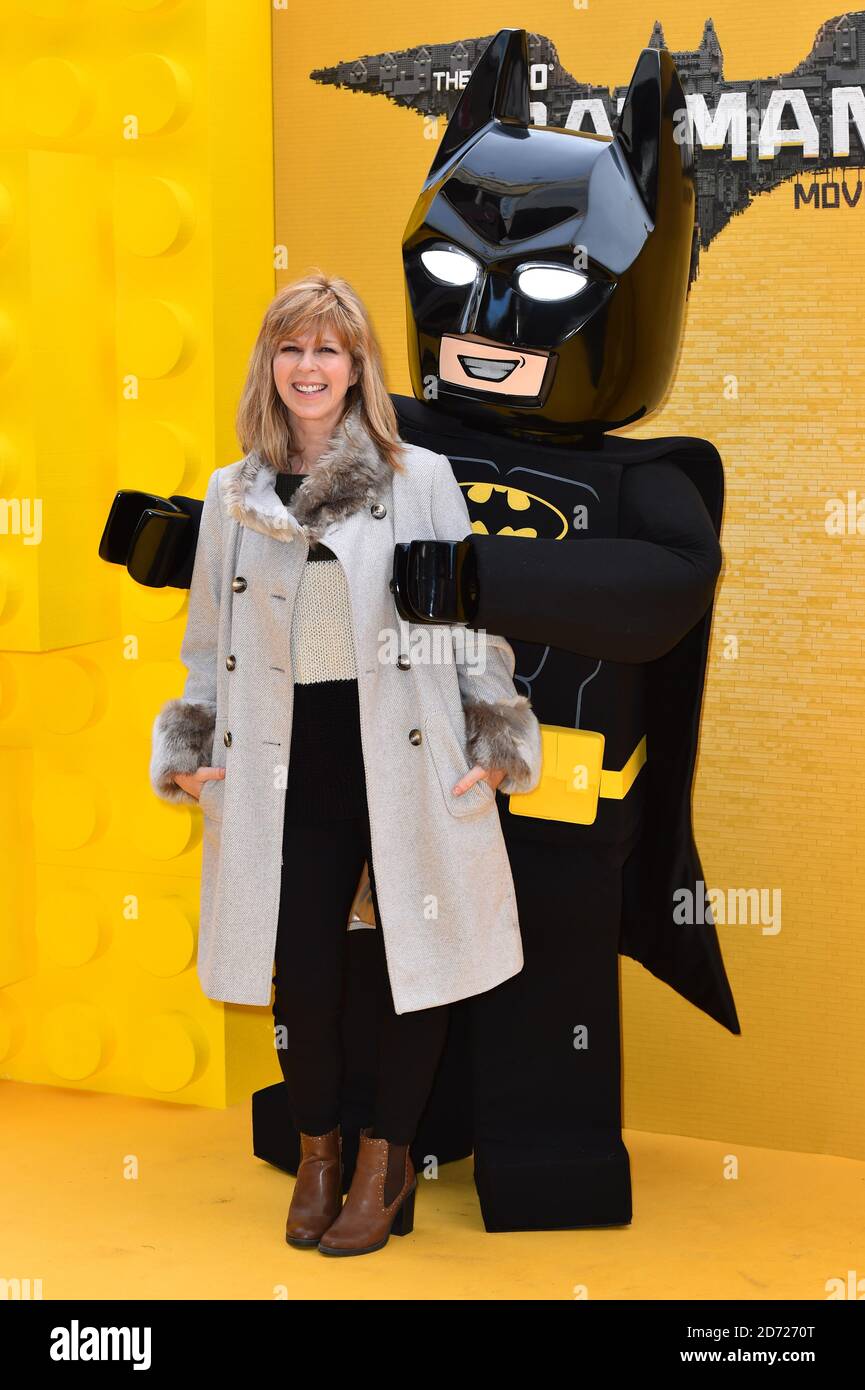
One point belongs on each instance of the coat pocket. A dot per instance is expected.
(211, 797)
(451, 764)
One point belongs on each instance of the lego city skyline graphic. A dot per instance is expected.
(750, 135)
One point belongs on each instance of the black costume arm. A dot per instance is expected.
(628, 599)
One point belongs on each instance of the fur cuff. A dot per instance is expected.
(506, 734)
(182, 742)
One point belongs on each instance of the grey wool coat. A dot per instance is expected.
(430, 706)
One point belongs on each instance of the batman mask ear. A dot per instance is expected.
(498, 89)
(655, 93)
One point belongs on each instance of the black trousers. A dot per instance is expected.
(322, 862)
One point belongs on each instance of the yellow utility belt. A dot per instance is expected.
(573, 776)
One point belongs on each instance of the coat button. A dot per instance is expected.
(378, 510)
(238, 584)
(415, 736)
(403, 662)
(230, 662)
(226, 738)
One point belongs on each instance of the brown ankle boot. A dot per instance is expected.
(380, 1202)
(317, 1196)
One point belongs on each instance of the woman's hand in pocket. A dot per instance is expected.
(478, 774)
(192, 782)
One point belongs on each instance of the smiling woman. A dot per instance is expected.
(312, 373)
(316, 355)
(334, 760)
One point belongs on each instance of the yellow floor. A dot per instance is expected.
(203, 1218)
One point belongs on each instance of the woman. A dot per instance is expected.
(318, 726)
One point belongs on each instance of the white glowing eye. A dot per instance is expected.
(451, 267)
(551, 282)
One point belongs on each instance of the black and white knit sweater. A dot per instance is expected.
(325, 766)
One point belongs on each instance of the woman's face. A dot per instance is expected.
(313, 378)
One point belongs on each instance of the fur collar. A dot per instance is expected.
(349, 475)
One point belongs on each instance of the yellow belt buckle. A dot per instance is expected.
(570, 784)
(573, 776)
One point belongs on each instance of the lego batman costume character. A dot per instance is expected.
(546, 277)
(610, 640)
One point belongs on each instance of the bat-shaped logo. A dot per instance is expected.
(497, 509)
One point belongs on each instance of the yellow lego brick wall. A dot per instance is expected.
(136, 259)
(771, 371)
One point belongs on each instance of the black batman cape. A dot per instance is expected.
(665, 859)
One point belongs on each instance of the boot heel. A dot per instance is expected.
(365, 1223)
(403, 1222)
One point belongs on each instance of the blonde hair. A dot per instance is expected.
(316, 303)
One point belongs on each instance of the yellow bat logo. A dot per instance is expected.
(510, 511)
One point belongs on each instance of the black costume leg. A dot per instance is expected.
(548, 1145)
